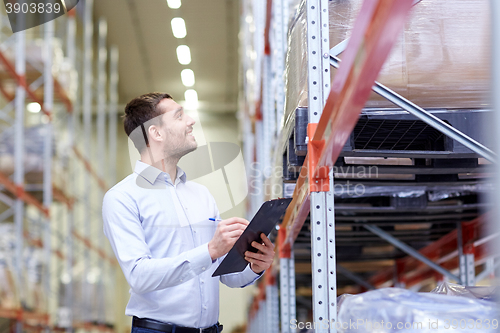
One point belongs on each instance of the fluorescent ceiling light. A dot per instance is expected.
(34, 107)
(191, 97)
(174, 4)
(187, 77)
(183, 54)
(179, 27)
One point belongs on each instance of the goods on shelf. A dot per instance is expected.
(427, 65)
(479, 292)
(33, 149)
(401, 310)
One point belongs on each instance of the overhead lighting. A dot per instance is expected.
(191, 97)
(183, 54)
(187, 77)
(174, 4)
(179, 27)
(34, 107)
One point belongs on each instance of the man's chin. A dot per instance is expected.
(192, 148)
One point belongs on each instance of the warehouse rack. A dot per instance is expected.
(334, 134)
(63, 215)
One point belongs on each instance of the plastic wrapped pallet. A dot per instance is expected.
(440, 61)
(401, 310)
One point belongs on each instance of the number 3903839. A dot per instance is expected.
(33, 8)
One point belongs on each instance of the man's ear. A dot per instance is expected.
(154, 133)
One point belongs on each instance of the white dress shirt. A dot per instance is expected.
(159, 232)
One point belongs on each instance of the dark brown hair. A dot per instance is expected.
(138, 112)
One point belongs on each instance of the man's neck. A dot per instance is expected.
(167, 165)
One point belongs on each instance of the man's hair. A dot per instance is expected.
(140, 113)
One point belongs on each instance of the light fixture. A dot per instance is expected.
(174, 4)
(178, 27)
(34, 107)
(187, 77)
(191, 97)
(183, 54)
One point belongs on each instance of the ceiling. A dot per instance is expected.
(148, 62)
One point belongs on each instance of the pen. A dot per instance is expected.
(215, 220)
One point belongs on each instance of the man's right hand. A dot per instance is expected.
(227, 233)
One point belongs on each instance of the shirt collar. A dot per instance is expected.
(150, 173)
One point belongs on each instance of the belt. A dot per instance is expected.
(169, 328)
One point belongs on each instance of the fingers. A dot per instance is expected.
(267, 241)
(253, 255)
(235, 220)
(267, 247)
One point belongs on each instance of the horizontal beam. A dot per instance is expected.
(22, 195)
(390, 209)
(421, 218)
(347, 170)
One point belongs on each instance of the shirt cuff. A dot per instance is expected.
(250, 275)
(200, 259)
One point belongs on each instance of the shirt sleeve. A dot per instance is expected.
(240, 279)
(144, 274)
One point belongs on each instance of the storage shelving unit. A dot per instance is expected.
(318, 234)
(54, 202)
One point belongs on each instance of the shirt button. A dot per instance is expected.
(181, 280)
(202, 281)
(203, 268)
(205, 307)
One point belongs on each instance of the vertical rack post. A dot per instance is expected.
(87, 131)
(495, 69)
(321, 211)
(268, 119)
(112, 123)
(287, 283)
(71, 48)
(113, 112)
(48, 103)
(19, 161)
(102, 56)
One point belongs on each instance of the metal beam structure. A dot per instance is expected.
(330, 124)
(354, 277)
(410, 251)
(53, 230)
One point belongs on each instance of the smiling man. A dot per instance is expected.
(158, 225)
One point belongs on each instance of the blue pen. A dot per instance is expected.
(215, 220)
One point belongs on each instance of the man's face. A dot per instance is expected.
(177, 127)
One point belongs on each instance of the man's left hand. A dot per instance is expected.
(264, 257)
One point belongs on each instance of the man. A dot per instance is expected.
(158, 225)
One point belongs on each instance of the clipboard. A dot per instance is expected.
(270, 213)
